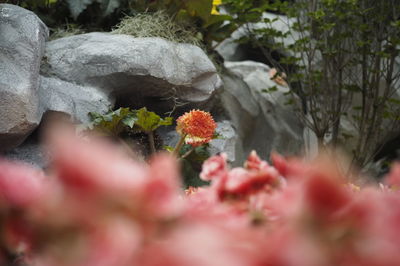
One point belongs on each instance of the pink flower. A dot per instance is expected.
(214, 168)
(99, 207)
(324, 195)
(393, 178)
(242, 182)
(257, 176)
(20, 184)
(94, 166)
(162, 189)
(254, 162)
(114, 242)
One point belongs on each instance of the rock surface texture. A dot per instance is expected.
(77, 101)
(262, 120)
(22, 43)
(226, 141)
(31, 152)
(136, 71)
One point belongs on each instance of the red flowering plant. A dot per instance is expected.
(96, 206)
(195, 128)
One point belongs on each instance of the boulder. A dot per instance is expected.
(226, 142)
(139, 72)
(31, 152)
(262, 120)
(22, 44)
(77, 101)
(59, 100)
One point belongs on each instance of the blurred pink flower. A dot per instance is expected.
(393, 178)
(97, 207)
(20, 184)
(214, 167)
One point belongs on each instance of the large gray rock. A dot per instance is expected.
(138, 71)
(77, 101)
(262, 121)
(59, 100)
(226, 142)
(22, 42)
(30, 152)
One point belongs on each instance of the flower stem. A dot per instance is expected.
(179, 145)
(187, 153)
(150, 134)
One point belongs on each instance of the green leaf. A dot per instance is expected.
(150, 121)
(290, 101)
(168, 148)
(270, 90)
(199, 154)
(110, 123)
(213, 19)
(130, 120)
(394, 101)
(200, 8)
(217, 136)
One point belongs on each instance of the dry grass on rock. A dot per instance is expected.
(157, 24)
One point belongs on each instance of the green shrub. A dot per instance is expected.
(341, 65)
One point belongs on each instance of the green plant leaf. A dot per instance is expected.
(110, 123)
(217, 136)
(270, 89)
(168, 148)
(217, 19)
(130, 120)
(201, 8)
(150, 121)
(199, 154)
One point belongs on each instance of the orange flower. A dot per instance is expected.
(198, 127)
